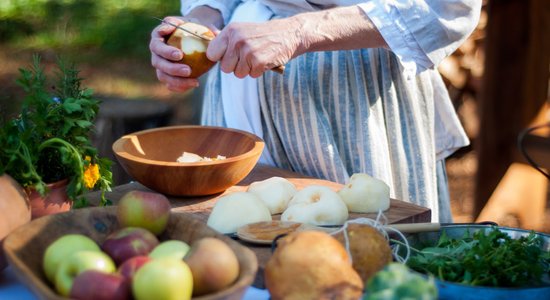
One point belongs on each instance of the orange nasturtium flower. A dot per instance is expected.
(91, 174)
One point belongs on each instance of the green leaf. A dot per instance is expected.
(71, 107)
(83, 123)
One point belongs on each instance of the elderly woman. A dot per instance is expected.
(360, 93)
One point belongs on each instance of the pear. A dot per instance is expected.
(311, 265)
(193, 47)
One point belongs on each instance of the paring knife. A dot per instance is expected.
(278, 69)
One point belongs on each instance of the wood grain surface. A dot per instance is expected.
(399, 211)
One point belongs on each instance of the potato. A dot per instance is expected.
(370, 251)
(311, 265)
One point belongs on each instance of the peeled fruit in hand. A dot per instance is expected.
(128, 242)
(144, 209)
(15, 209)
(193, 48)
(213, 264)
(77, 263)
(365, 194)
(237, 209)
(60, 249)
(173, 248)
(370, 251)
(316, 205)
(311, 265)
(163, 278)
(275, 192)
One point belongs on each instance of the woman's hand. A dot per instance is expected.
(164, 58)
(253, 48)
(250, 49)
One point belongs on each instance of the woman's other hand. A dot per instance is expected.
(250, 49)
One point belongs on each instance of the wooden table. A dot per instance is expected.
(399, 212)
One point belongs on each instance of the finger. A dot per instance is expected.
(242, 69)
(217, 47)
(170, 68)
(160, 48)
(177, 83)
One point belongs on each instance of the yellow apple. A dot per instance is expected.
(163, 278)
(193, 48)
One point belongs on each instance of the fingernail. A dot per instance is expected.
(176, 55)
(185, 71)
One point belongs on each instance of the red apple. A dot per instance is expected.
(128, 242)
(144, 209)
(96, 285)
(130, 266)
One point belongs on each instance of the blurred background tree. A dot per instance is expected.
(108, 40)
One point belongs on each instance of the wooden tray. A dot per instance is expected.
(24, 248)
(399, 211)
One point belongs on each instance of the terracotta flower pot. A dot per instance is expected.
(55, 201)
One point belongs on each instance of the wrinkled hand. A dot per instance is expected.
(164, 57)
(253, 48)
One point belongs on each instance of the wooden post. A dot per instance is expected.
(514, 86)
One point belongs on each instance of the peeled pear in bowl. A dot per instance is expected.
(193, 47)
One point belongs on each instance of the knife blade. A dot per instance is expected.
(278, 69)
(186, 30)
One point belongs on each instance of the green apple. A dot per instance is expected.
(147, 210)
(163, 278)
(77, 263)
(172, 248)
(63, 247)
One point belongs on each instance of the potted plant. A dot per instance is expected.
(47, 145)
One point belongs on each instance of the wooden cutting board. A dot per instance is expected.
(399, 211)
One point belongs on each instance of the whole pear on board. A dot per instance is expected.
(370, 251)
(311, 265)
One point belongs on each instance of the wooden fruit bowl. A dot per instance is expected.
(150, 157)
(24, 248)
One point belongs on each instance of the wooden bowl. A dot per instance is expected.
(25, 247)
(150, 156)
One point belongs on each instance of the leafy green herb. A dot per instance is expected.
(49, 140)
(493, 259)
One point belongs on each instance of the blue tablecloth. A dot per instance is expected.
(12, 289)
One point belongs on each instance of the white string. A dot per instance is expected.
(380, 225)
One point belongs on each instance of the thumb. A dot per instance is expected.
(217, 47)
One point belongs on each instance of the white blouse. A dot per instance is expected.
(420, 32)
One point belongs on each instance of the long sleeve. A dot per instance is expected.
(423, 33)
(225, 7)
